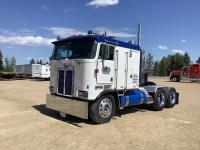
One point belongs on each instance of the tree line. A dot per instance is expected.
(40, 61)
(7, 64)
(166, 64)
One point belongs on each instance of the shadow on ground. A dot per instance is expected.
(54, 114)
(77, 121)
(39, 80)
(134, 109)
(185, 81)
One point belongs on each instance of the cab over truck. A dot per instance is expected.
(94, 76)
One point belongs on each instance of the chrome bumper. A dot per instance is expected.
(69, 106)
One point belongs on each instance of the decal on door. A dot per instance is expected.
(135, 78)
(106, 70)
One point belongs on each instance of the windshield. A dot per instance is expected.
(75, 49)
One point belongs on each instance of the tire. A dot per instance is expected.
(174, 79)
(171, 98)
(159, 100)
(103, 109)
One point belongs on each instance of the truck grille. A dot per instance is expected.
(65, 82)
(61, 74)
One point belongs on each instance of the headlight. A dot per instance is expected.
(52, 89)
(83, 94)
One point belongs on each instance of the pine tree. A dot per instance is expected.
(149, 63)
(12, 63)
(7, 67)
(164, 66)
(47, 61)
(156, 68)
(198, 60)
(1, 60)
(32, 61)
(40, 61)
(9, 64)
(187, 59)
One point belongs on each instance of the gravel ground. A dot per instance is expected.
(25, 123)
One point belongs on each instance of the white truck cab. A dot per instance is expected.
(96, 76)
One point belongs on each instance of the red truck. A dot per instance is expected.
(190, 72)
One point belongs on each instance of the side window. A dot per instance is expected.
(111, 52)
(106, 52)
(102, 51)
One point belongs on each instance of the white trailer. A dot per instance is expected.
(96, 76)
(41, 71)
(34, 70)
(24, 69)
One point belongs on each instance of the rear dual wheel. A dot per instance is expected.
(164, 98)
(159, 100)
(171, 99)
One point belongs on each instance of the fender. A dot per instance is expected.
(115, 94)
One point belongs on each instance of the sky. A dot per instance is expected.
(27, 27)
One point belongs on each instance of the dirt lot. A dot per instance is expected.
(26, 124)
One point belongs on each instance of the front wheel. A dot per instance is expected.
(103, 109)
(175, 79)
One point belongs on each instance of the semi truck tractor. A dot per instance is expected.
(96, 76)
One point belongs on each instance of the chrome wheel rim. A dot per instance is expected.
(172, 97)
(105, 107)
(161, 99)
(174, 79)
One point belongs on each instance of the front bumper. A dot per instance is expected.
(69, 106)
(195, 79)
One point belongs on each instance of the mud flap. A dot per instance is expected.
(177, 95)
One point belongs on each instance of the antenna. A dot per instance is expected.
(139, 34)
(105, 34)
(73, 30)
